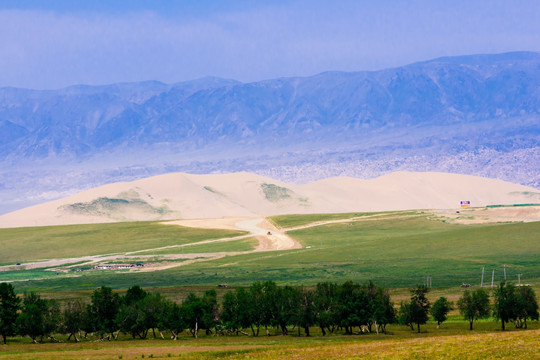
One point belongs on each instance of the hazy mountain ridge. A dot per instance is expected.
(425, 116)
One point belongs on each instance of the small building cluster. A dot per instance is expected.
(117, 266)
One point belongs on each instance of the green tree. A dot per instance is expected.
(527, 306)
(286, 307)
(505, 303)
(237, 311)
(440, 310)
(405, 314)
(173, 319)
(263, 296)
(382, 309)
(9, 305)
(256, 300)
(52, 318)
(104, 307)
(89, 322)
(419, 306)
(326, 306)
(73, 317)
(139, 312)
(133, 294)
(193, 312)
(230, 311)
(351, 303)
(131, 319)
(474, 305)
(31, 320)
(153, 305)
(210, 311)
(268, 305)
(305, 313)
(247, 313)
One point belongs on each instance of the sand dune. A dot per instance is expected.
(187, 196)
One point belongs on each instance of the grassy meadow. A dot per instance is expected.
(290, 221)
(451, 341)
(35, 243)
(394, 250)
(226, 246)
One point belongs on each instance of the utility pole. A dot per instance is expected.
(504, 267)
(492, 277)
(519, 279)
(482, 281)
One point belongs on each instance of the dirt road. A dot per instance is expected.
(270, 239)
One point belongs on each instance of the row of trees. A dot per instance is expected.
(348, 307)
(510, 303)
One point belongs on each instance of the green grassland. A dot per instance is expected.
(451, 341)
(289, 221)
(393, 251)
(396, 250)
(35, 243)
(222, 246)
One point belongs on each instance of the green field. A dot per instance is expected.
(394, 250)
(451, 341)
(289, 221)
(225, 246)
(35, 243)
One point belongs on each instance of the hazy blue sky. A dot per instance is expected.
(55, 43)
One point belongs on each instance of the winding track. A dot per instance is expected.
(270, 238)
(256, 227)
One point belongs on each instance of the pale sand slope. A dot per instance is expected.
(186, 196)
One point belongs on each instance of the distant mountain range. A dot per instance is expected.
(477, 115)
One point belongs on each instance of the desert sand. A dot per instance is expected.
(221, 196)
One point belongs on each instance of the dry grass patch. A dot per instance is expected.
(491, 345)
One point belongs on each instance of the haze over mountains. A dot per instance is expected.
(477, 115)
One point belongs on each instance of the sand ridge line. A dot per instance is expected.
(170, 196)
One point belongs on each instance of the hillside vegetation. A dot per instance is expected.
(35, 243)
(395, 250)
(447, 344)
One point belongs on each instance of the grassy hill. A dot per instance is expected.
(46, 242)
(394, 249)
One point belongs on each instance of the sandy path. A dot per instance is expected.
(269, 237)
